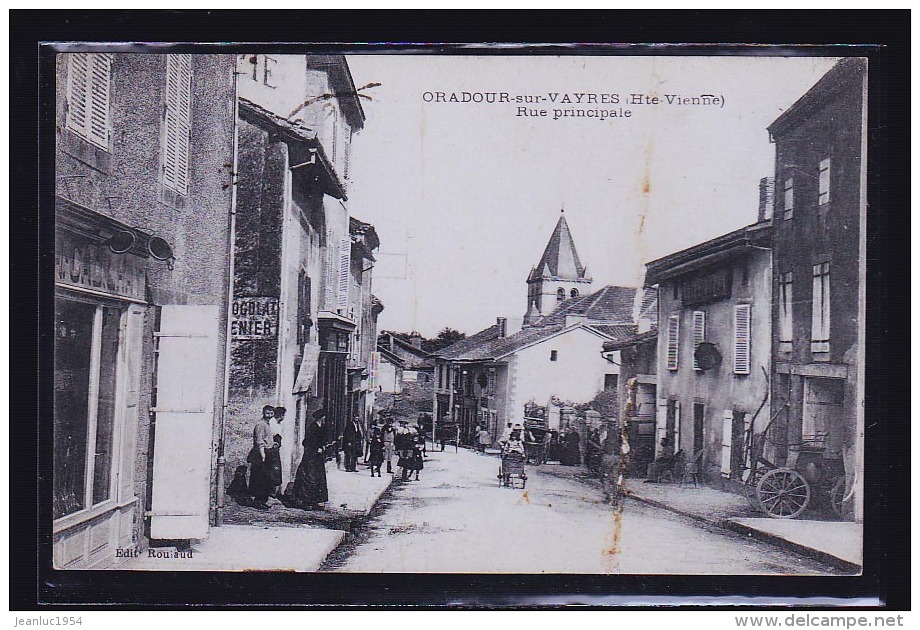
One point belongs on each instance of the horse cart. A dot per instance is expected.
(811, 478)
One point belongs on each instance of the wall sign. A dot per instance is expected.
(254, 318)
(85, 264)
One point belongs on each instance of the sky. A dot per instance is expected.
(465, 195)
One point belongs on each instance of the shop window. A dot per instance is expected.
(85, 360)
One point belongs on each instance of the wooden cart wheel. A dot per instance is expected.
(783, 493)
(838, 492)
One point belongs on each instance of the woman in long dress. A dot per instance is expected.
(310, 481)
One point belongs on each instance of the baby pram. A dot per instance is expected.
(511, 469)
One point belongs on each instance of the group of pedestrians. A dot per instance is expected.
(309, 489)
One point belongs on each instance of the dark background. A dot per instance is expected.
(883, 36)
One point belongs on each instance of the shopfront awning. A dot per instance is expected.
(307, 371)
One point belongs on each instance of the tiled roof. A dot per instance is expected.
(458, 350)
(606, 306)
(607, 312)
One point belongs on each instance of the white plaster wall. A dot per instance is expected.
(577, 374)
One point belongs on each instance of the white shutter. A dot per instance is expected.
(177, 122)
(77, 89)
(673, 349)
(699, 333)
(88, 87)
(344, 275)
(824, 182)
(187, 372)
(676, 425)
(742, 358)
(133, 347)
(661, 423)
(727, 421)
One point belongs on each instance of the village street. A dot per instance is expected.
(458, 519)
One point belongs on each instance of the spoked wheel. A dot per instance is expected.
(783, 493)
(838, 492)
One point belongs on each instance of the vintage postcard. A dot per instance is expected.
(418, 313)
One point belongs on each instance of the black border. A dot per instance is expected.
(887, 528)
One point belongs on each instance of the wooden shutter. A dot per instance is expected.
(699, 333)
(88, 87)
(824, 182)
(742, 359)
(344, 275)
(187, 373)
(132, 347)
(676, 425)
(661, 423)
(177, 122)
(727, 421)
(673, 349)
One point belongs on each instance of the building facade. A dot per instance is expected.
(305, 317)
(713, 364)
(144, 159)
(819, 277)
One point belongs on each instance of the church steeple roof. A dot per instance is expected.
(560, 259)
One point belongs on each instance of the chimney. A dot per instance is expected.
(502, 326)
(416, 340)
(765, 210)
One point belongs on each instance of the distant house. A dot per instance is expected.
(417, 365)
(390, 372)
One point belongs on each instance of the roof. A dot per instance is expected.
(458, 349)
(709, 253)
(390, 357)
(365, 234)
(610, 304)
(631, 340)
(298, 133)
(560, 259)
(845, 75)
(607, 313)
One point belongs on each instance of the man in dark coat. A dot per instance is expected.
(352, 444)
(310, 481)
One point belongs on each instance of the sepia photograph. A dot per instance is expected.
(494, 313)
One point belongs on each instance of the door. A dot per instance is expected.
(699, 416)
(186, 377)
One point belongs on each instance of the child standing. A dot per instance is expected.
(376, 452)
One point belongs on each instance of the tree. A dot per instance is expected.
(448, 336)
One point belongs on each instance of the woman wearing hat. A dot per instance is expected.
(310, 481)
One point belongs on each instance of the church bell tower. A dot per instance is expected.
(559, 275)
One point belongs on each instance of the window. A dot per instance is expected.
(177, 122)
(560, 294)
(821, 308)
(742, 358)
(440, 377)
(745, 274)
(824, 182)
(673, 349)
(89, 77)
(574, 293)
(304, 323)
(553, 355)
(788, 198)
(785, 312)
(610, 381)
(699, 333)
(85, 360)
